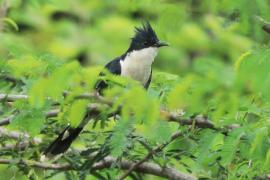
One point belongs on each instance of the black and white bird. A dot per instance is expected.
(135, 63)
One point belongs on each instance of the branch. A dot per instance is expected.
(107, 162)
(23, 140)
(18, 136)
(3, 11)
(149, 155)
(11, 79)
(91, 108)
(198, 121)
(12, 97)
(6, 120)
(141, 166)
(266, 28)
(36, 164)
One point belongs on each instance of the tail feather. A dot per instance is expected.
(67, 136)
(63, 141)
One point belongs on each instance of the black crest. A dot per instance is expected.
(144, 37)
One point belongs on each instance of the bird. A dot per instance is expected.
(135, 63)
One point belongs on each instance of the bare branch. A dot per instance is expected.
(52, 113)
(266, 28)
(18, 136)
(6, 120)
(12, 97)
(11, 79)
(3, 11)
(149, 155)
(37, 164)
(107, 162)
(18, 146)
(198, 121)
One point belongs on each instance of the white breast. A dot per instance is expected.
(137, 64)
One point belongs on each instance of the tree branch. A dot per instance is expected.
(198, 121)
(91, 108)
(149, 155)
(18, 136)
(107, 162)
(3, 11)
(6, 120)
(12, 97)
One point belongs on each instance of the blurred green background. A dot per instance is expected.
(215, 32)
(94, 32)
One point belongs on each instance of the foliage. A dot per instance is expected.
(217, 66)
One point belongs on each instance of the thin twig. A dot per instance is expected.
(198, 121)
(6, 120)
(11, 79)
(3, 11)
(149, 155)
(146, 168)
(12, 97)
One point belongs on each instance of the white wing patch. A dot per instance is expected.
(137, 64)
(65, 135)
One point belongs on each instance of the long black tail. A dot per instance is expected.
(67, 136)
(63, 141)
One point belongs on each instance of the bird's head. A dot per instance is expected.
(145, 37)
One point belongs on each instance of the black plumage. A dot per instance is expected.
(61, 144)
(113, 67)
(144, 37)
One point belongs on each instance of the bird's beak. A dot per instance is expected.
(161, 44)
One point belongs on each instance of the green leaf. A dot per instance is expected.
(120, 140)
(38, 92)
(160, 133)
(29, 119)
(259, 145)
(178, 97)
(11, 22)
(27, 65)
(267, 160)
(230, 146)
(206, 143)
(77, 112)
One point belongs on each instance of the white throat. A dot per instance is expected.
(137, 64)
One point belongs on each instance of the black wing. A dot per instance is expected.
(149, 81)
(113, 67)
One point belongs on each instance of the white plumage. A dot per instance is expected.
(137, 64)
